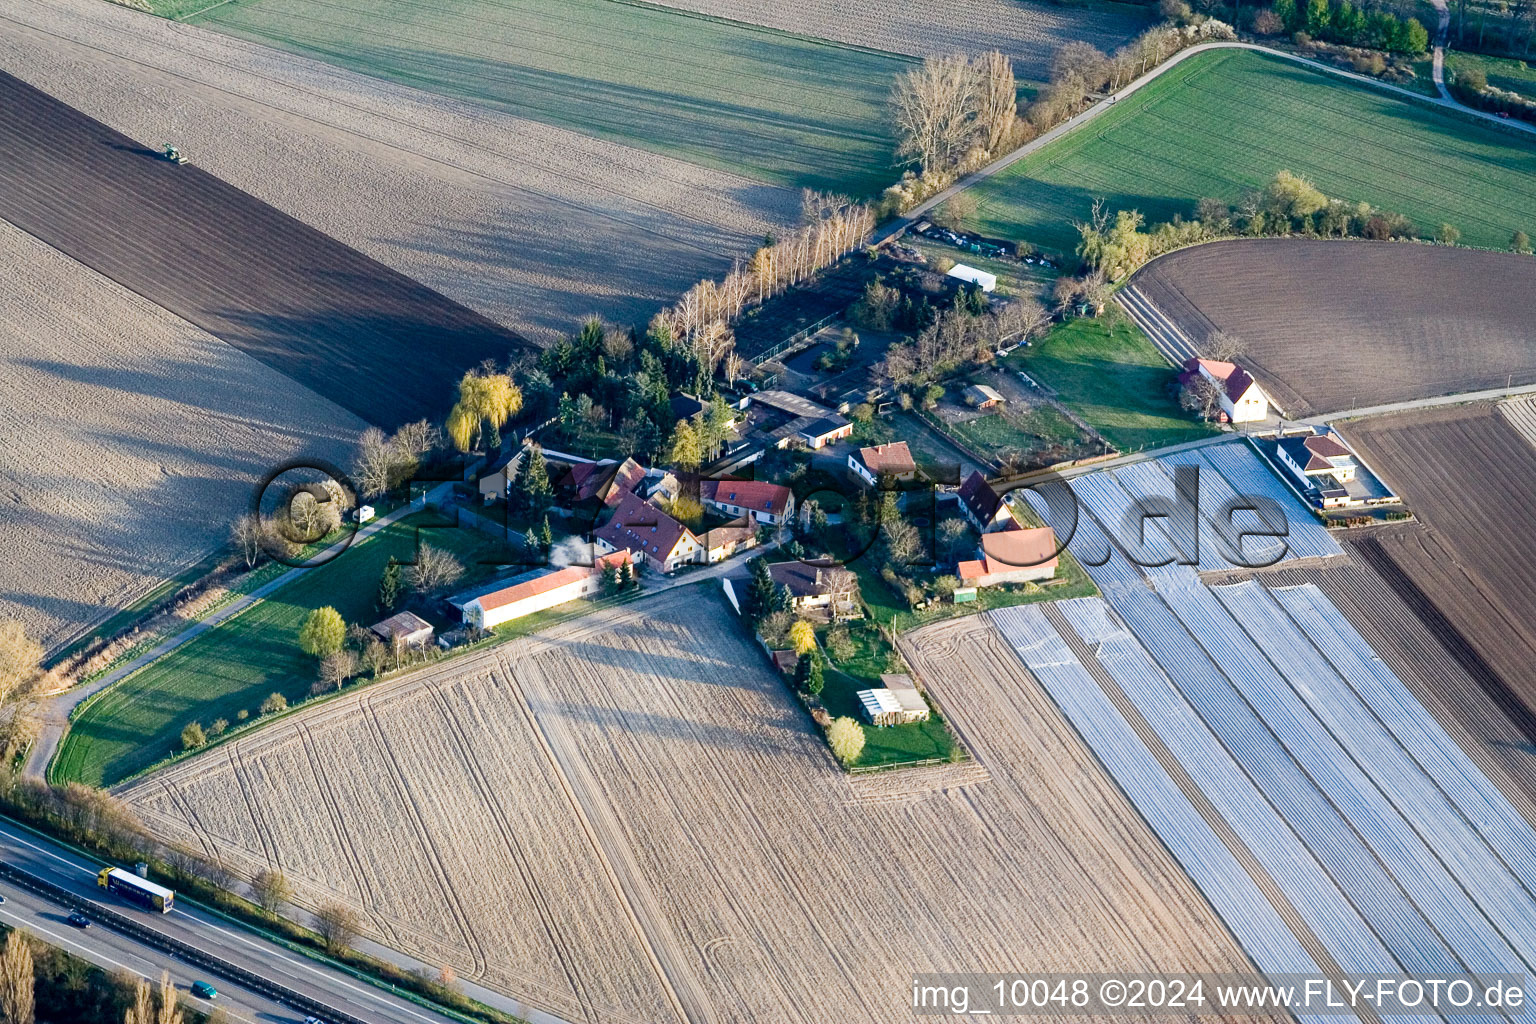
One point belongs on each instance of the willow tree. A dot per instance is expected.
(484, 399)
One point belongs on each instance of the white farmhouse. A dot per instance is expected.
(1242, 400)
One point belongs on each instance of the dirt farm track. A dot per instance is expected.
(1355, 324)
(629, 819)
(321, 313)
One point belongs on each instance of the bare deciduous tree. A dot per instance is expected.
(338, 926)
(245, 536)
(337, 668)
(935, 110)
(143, 1009)
(270, 889)
(997, 98)
(1201, 395)
(1223, 346)
(17, 1002)
(435, 570)
(1020, 320)
(170, 1007)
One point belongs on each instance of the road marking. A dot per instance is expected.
(272, 949)
(94, 955)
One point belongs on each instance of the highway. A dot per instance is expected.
(28, 852)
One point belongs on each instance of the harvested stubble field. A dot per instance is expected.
(130, 439)
(1029, 32)
(1330, 326)
(782, 108)
(1223, 122)
(628, 819)
(322, 314)
(529, 224)
(1471, 479)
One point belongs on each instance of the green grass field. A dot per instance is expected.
(786, 109)
(1224, 122)
(1514, 75)
(888, 745)
(234, 666)
(1117, 382)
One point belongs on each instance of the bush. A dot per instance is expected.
(273, 704)
(1368, 63)
(846, 738)
(218, 727)
(1267, 23)
(193, 737)
(802, 637)
(1520, 242)
(242, 714)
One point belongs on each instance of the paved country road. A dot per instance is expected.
(28, 852)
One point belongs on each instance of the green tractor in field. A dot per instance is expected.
(173, 154)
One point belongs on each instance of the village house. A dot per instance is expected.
(648, 534)
(1320, 463)
(980, 504)
(403, 630)
(722, 542)
(810, 586)
(769, 504)
(1242, 400)
(493, 604)
(892, 461)
(605, 482)
(496, 484)
(1015, 555)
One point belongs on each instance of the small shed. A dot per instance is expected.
(880, 706)
(364, 513)
(983, 397)
(403, 629)
(970, 275)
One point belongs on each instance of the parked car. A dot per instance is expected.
(203, 990)
(79, 920)
(2, 899)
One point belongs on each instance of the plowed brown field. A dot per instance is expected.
(1333, 325)
(321, 313)
(628, 819)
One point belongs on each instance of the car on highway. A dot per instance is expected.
(203, 990)
(79, 920)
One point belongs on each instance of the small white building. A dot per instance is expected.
(893, 460)
(1242, 400)
(970, 275)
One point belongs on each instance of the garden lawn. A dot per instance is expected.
(891, 609)
(1223, 122)
(786, 109)
(1116, 381)
(236, 665)
(890, 745)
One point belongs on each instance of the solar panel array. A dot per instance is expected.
(1390, 847)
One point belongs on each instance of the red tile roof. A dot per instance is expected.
(757, 495)
(532, 588)
(1019, 549)
(637, 525)
(894, 458)
(1234, 378)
